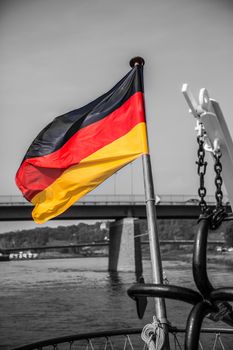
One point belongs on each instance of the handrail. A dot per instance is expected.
(167, 291)
(199, 258)
(82, 336)
(122, 198)
(109, 334)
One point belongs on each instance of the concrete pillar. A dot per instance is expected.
(124, 248)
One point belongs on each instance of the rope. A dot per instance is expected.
(153, 335)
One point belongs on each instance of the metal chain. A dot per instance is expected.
(218, 180)
(201, 170)
(219, 213)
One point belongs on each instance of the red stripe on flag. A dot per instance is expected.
(35, 174)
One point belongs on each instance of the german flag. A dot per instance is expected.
(78, 150)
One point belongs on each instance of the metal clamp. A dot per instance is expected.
(210, 120)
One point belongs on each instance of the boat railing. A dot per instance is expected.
(123, 339)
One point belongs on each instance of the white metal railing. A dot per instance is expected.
(111, 199)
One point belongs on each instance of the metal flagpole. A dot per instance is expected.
(156, 262)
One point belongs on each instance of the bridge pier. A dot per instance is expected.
(124, 246)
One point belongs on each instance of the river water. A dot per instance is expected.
(42, 299)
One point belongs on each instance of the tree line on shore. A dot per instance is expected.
(87, 233)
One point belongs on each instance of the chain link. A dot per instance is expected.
(219, 213)
(218, 180)
(201, 170)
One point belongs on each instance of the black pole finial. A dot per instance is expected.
(136, 61)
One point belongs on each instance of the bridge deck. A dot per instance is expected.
(16, 208)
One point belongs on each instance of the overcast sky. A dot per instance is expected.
(57, 55)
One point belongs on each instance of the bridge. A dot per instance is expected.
(16, 208)
(124, 233)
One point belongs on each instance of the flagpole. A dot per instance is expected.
(156, 261)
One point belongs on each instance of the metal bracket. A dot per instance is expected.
(208, 113)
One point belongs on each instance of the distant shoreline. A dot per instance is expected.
(223, 259)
